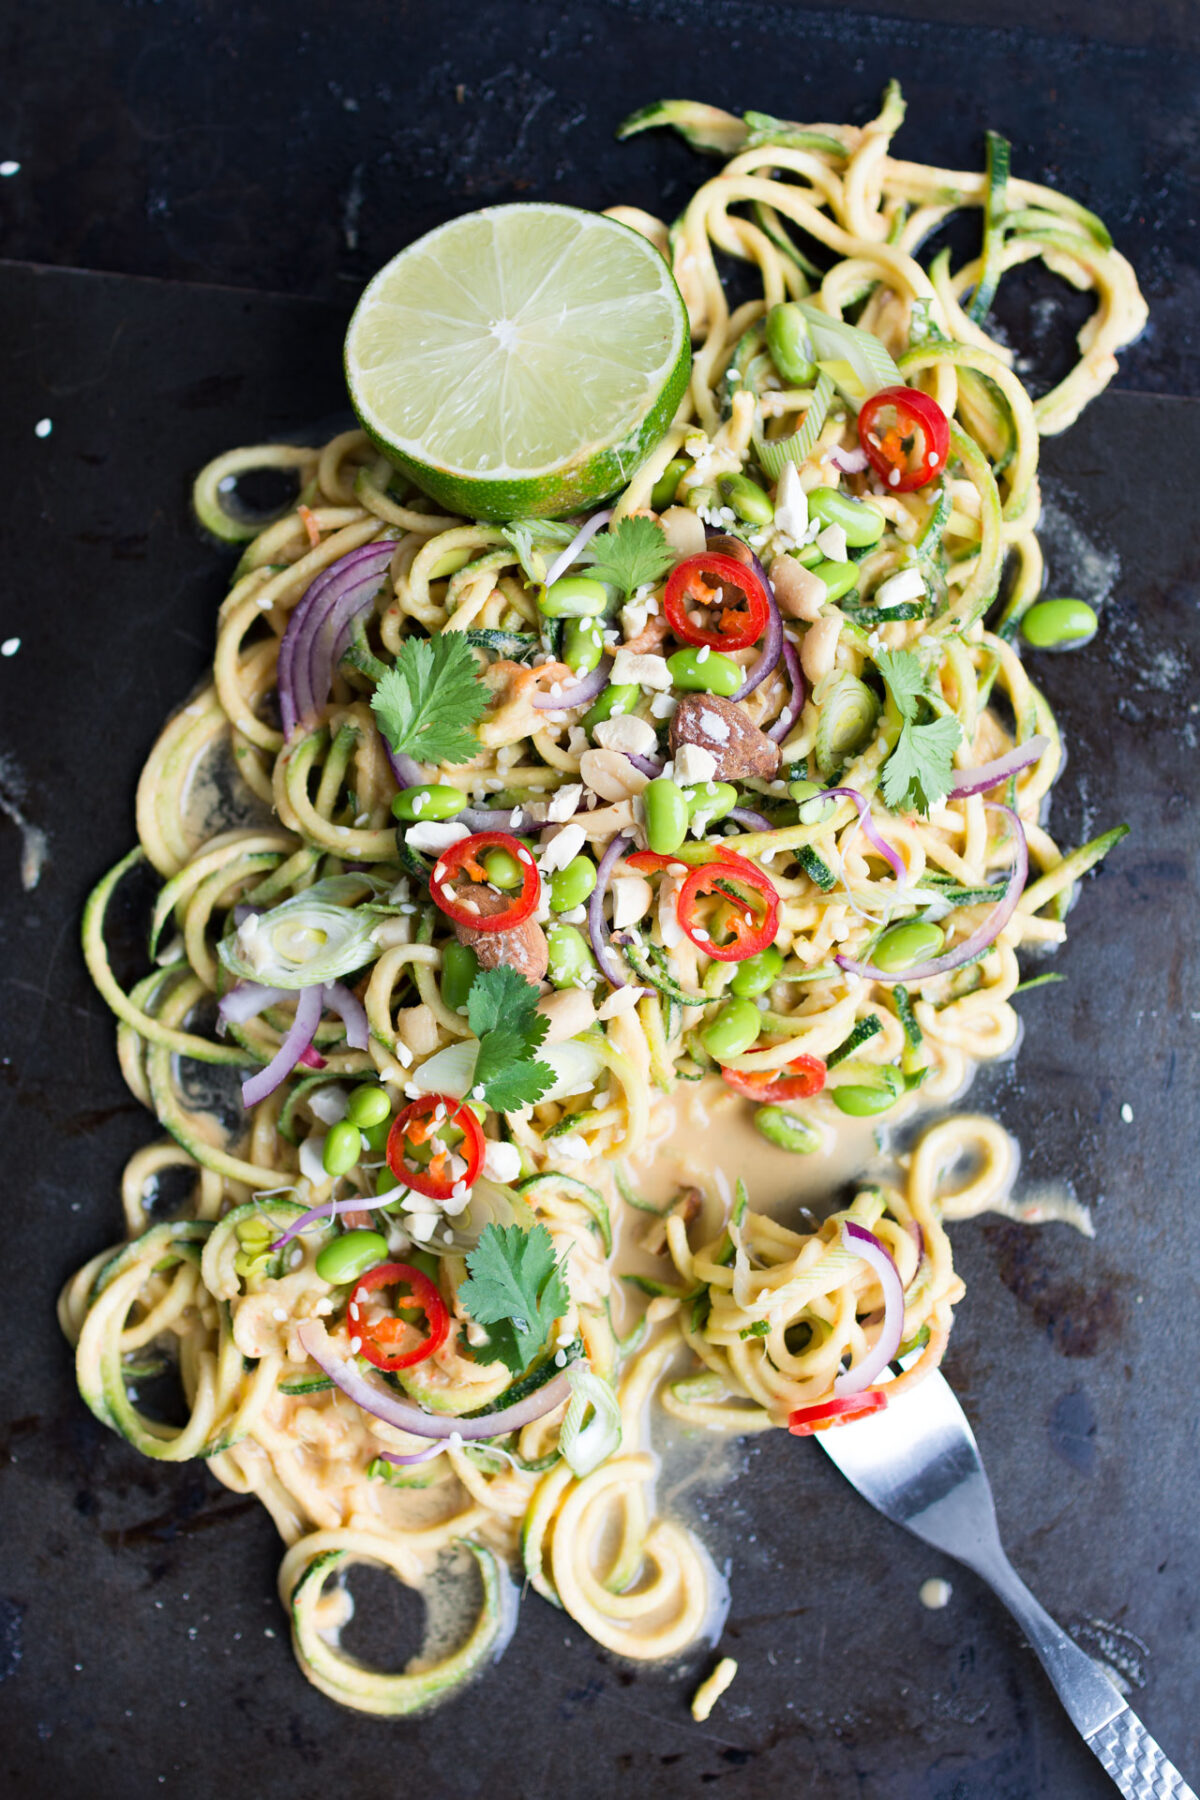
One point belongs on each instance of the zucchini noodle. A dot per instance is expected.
(732, 1318)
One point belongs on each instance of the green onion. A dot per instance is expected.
(585, 1447)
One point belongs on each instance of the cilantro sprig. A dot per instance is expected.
(426, 705)
(502, 1012)
(920, 769)
(632, 554)
(517, 1290)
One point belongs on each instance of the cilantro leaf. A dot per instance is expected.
(517, 1290)
(427, 704)
(902, 671)
(919, 771)
(502, 1012)
(635, 552)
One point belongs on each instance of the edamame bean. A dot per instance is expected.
(666, 816)
(350, 1256)
(906, 944)
(710, 801)
(375, 1137)
(877, 1088)
(343, 1147)
(571, 886)
(788, 342)
(705, 672)
(618, 698)
(418, 804)
(839, 578)
(786, 1130)
(666, 487)
(812, 810)
(1055, 623)
(755, 975)
(582, 645)
(460, 966)
(368, 1106)
(733, 1030)
(746, 498)
(502, 869)
(574, 597)
(704, 496)
(570, 956)
(861, 523)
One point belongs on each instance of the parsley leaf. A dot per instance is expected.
(502, 1012)
(902, 671)
(919, 771)
(517, 1289)
(635, 553)
(427, 704)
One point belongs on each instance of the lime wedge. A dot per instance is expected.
(520, 361)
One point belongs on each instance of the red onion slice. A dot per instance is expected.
(580, 693)
(566, 557)
(991, 774)
(850, 462)
(646, 765)
(748, 819)
(865, 1244)
(310, 1059)
(333, 1209)
(351, 1011)
(794, 706)
(309, 1001)
(406, 1462)
(725, 544)
(870, 831)
(405, 1415)
(980, 939)
(247, 999)
(358, 573)
(597, 930)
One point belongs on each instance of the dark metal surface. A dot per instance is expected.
(134, 1599)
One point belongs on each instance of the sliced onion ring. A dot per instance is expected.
(595, 912)
(725, 544)
(865, 1244)
(980, 939)
(795, 705)
(566, 557)
(405, 1415)
(748, 819)
(309, 1001)
(869, 829)
(351, 1011)
(333, 1209)
(991, 774)
(305, 668)
(247, 999)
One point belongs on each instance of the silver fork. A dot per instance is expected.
(918, 1464)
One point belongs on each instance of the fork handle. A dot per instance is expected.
(1109, 1728)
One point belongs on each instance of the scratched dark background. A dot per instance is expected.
(201, 192)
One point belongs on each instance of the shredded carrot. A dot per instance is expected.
(310, 525)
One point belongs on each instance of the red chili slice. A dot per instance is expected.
(912, 448)
(737, 627)
(800, 1080)
(724, 876)
(420, 1122)
(807, 1419)
(466, 859)
(374, 1336)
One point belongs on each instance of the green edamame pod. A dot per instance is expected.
(666, 487)
(432, 801)
(755, 975)
(906, 944)
(705, 671)
(788, 342)
(350, 1256)
(1053, 624)
(666, 816)
(582, 645)
(617, 699)
(460, 966)
(786, 1130)
(571, 886)
(746, 498)
(862, 523)
(733, 1030)
(574, 597)
(342, 1149)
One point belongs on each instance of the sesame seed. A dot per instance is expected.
(43, 428)
(356, 1344)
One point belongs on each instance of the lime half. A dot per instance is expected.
(520, 361)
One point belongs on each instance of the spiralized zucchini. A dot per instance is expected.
(745, 1316)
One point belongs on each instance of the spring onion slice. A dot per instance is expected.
(995, 202)
(775, 453)
(316, 936)
(835, 341)
(585, 1447)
